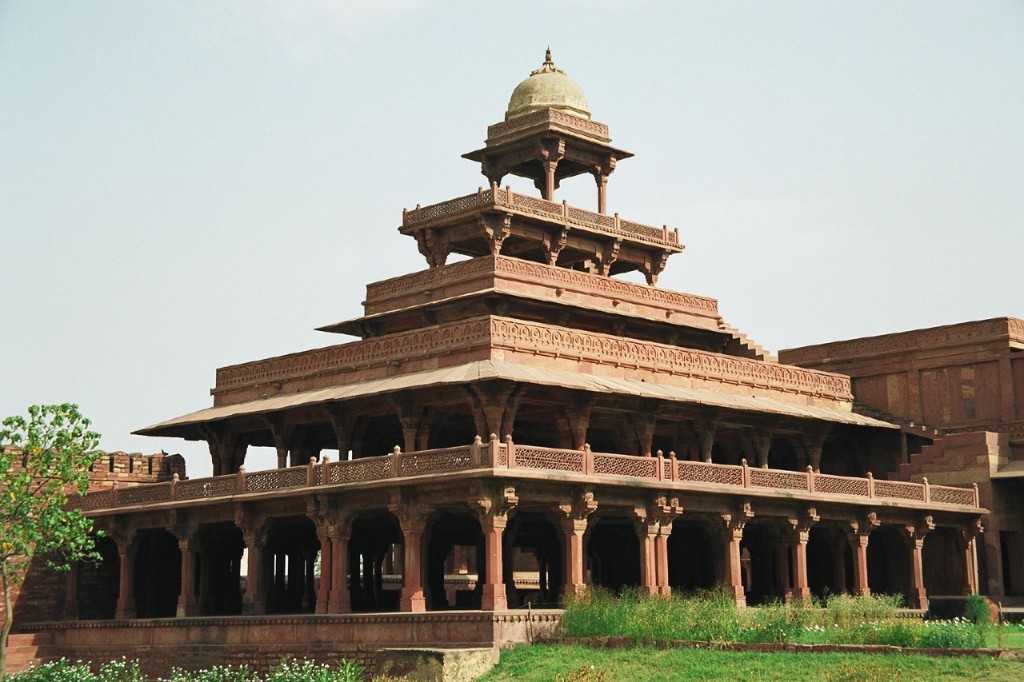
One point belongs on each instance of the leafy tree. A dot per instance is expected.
(43, 459)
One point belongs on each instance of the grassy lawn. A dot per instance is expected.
(554, 662)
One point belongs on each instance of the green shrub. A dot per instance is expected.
(976, 610)
(957, 635)
(846, 610)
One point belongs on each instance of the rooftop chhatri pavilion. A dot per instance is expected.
(506, 431)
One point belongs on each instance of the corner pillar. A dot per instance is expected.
(574, 516)
(339, 600)
(413, 521)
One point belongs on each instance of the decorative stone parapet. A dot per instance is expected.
(507, 201)
(498, 459)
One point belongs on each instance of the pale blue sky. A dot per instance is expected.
(185, 185)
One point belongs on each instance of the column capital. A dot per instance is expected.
(578, 507)
(493, 506)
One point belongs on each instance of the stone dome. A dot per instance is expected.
(547, 87)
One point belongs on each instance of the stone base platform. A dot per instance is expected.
(262, 641)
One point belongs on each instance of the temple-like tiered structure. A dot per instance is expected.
(513, 427)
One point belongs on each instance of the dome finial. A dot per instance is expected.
(547, 57)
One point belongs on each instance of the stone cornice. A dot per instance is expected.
(542, 339)
(378, 294)
(1000, 328)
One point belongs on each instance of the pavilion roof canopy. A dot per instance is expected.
(484, 370)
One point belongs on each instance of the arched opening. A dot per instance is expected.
(451, 428)
(532, 555)
(157, 574)
(375, 562)
(888, 562)
(453, 561)
(98, 583)
(380, 435)
(943, 562)
(784, 455)
(218, 569)
(541, 425)
(829, 562)
(612, 553)
(291, 553)
(764, 563)
(693, 556)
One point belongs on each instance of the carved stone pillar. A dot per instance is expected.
(574, 514)
(125, 539)
(326, 570)
(254, 534)
(706, 433)
(413, 521)
(969, 555)
(602, 192)
(732, 572)
(914, 535)
(187, 603)
(859, 546)
(798, 552)
(814, 444)
(858, 534)
(646, 532)
(339, 599)
(762, 440)
(661, 557)
(492, 510)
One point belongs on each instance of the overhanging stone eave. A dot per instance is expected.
(486, 370)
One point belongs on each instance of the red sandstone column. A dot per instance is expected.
(412, 598)
(255, 599)
(647, 531)
(549, 179)
(970, 559)
(326, 573)
(917, 599)
(494, 596)
(186, 592)
(573, 531)
(859, 545)
(661, 558)
(801, 589)
(339, 600)
(126, 586)
(732, 578)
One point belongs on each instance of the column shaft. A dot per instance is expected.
(126, 586)
(494, 596)
(339, 600)
(859, 545)
(412, 598)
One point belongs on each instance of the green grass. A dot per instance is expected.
(712, 616)
(549, 662)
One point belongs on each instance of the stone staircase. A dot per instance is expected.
(25, 649)
(744, 346)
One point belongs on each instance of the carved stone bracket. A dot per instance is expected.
(496, 228)
(227, 448)
(434, 246)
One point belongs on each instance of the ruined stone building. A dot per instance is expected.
(514, 424)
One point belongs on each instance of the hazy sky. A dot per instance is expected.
(185, 185)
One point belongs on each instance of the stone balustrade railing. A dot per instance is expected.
(499, 458)
(507, 200)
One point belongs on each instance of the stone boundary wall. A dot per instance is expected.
(262, 641)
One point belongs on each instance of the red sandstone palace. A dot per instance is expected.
(517, 425)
